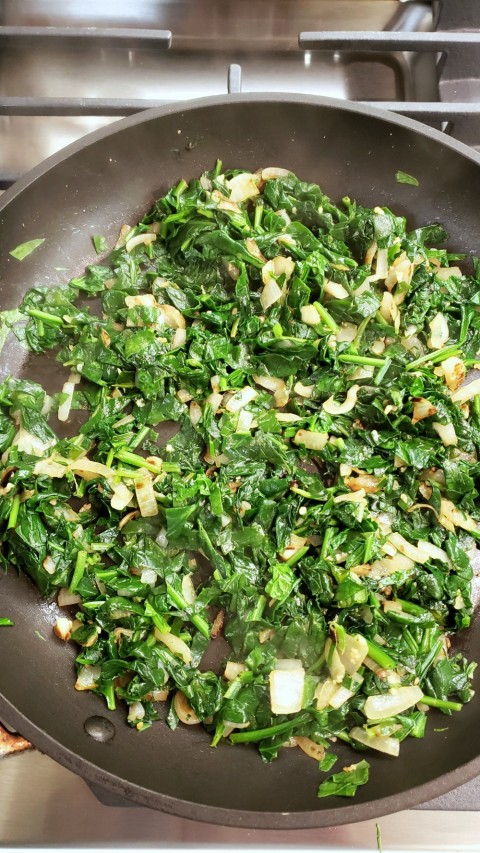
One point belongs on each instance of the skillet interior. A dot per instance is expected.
(93, 187)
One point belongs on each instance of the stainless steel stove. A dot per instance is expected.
(67, 69)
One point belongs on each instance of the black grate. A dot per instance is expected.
(458, 63)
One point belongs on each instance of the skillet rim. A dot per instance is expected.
(343, 814)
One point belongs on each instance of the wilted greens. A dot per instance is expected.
(314, 503)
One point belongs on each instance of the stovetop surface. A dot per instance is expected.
(42, 803)
(45, 805)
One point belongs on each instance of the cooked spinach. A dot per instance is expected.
(316, 500)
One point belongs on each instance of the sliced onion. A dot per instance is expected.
(446, 433)
(90, 470)
(334, 663)
(422, 408)
(389, 565)
(284, 215)
(365, 481)
(451, 517)
(421, 553)
(240, 399)
(310, 748)
(454, 371)
(281, 398)
(88, 677)
(65, 598)
(388, 745)
(140, 239)
(121, 497)
(272, 172)
(149, 577)
(122, 236)
(335, 290)
(303, 390)
(347, 333)
(362, 372)
(397, 700)
(334, 408)
(184, 396)
(188, 589)
(270, 294)
(354, 652)
(381, 269)
(253, 249)
(195, 413)
(64, 408)
(173, 317)
(50, 468)
(288, 417)
(160, 695)
(26, 442)
(176, 645)
(145, 494)
(281, 265)
(343, 694)
(311, 440)
(467, 392)
(184, 712)
(63, 628)
(243, 186)
(286, 690)
(227, 204)
(439, 332)
(309, 315)
(214, 400)
(245, 421)
(350, 497)
(147, 300)
(388, 309)
(444, 273)
(378, 346)
(233, 669)
(179, 338)
(271, 383)
(370, 254)
(136, 711)
(324, 692)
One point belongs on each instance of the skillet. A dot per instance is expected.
(92, 187)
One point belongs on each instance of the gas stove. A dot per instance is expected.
(67, 69)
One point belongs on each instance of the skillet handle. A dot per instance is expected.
(234, 80)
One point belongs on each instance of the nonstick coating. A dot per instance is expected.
(93, 187)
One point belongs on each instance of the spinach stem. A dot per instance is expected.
(298, 556)
(136, 461)
(327, 318)
(376, 653)
(270, 731)
(139, 437)
(49, 319)
(443, 704)
(327, 538)
(195, 618)
(434, 357)
(79, 570)
(13, 516)
(362, 359)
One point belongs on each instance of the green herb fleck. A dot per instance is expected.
(24, 249)
(405, 178)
